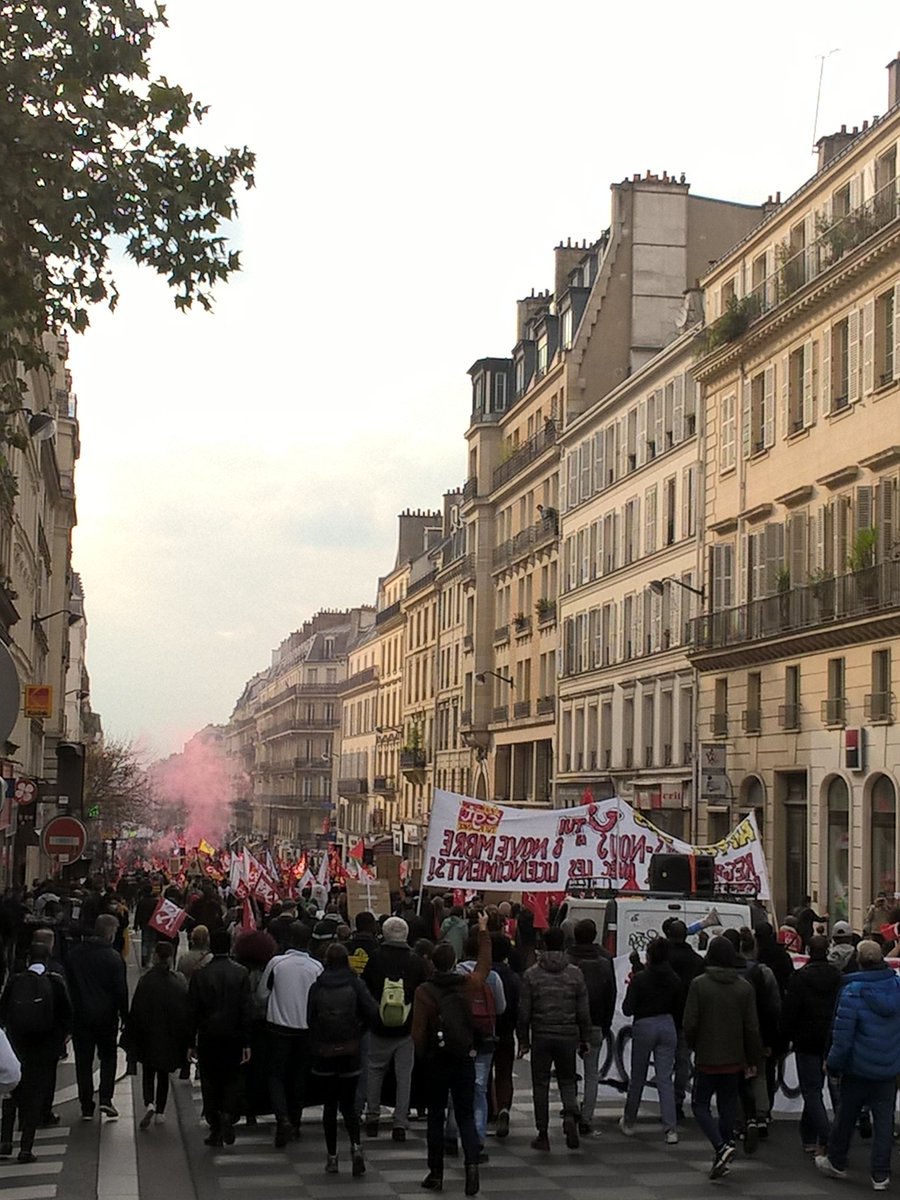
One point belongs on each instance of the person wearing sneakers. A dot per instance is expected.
(392, 974)
(99, 991)
(655, 999)
(596, 966)
(340, 1010)
(156, 1029)
(865, 1053)
(555, 1024)
(721, 1027)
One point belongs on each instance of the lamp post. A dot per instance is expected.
(481, 677)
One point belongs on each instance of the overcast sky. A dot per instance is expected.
(416, 166)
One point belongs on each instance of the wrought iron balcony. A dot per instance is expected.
(546, 613)
(352, 787)
(500, 712)
(751, 720)
(546, 706)
(718, 724)
(470, 489)
(789, 716)
(827, 602)
(879, 706)
(542, 533)
(525, 454)
(413, 760)
(383, 783)
(501, 635)
(522, 708)
(386, 613)
(834, 710)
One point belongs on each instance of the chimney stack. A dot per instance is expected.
(893, 70)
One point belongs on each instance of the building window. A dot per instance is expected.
(729, 432)
(688, 502)
(796, 363)
(834, 707)
(669, 509)
(789, 717)
(498, 391)
(567, 329)
(879, 703)
(884, 836)
(884, 337)
(758, 413)
(840, 365)
(753, 711)
(542, 355)
(718, 724)
(520, 376)
(838, 884)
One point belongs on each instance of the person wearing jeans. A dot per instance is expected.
(555, 1023)
(596, 966)
(655, 1000)
(865, 1053)
(806, 1018)
(721, 1026)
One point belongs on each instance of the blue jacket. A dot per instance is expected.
(866, 1035)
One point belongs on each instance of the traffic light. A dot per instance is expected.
(70, 776)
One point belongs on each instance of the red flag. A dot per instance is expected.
(358, 850)
(248, 921)
(167, 917)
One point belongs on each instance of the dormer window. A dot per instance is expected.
(542, 355)
(498, 391)
(478, 393)
(567, 325)
(520, 375)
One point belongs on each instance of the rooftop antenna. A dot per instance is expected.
(822, 58)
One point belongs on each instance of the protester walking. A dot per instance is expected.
(505, 1050)
(655, 1001)
(36, 1014)
(806, 1019)
(286, 981)
(340, 1009)
(197, 956)
(99, 992)
(220, 1012)
(555, 1024)
(444, 1038)
(720, 1025)
(156, 1030)
(865, 1053)
(687, 965)
(596, 966)
(391, 974)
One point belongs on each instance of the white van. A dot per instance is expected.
(627, 923)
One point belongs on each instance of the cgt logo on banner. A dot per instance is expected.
(167, 917)
(472, 844)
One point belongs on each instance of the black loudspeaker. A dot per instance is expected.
(705, 874)
(670, 873)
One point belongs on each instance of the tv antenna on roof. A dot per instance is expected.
(822, 58)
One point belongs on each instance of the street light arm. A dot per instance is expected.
(656, 586)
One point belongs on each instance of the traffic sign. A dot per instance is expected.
(26, 791)
(64, 839)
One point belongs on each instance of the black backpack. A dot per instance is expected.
(30, 1007)
(455, 1030)
(337, 1025)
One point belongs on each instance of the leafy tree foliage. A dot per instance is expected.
(93, 157)
(116, 780)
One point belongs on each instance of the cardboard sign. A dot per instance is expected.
(388, 868)
(371, 895)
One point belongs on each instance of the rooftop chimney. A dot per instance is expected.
(893, 70)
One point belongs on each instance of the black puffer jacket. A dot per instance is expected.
(554, 1000)
(220, 1001)
(600, 979)
(654, 992)
(809, 1007)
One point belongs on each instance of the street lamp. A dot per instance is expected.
(657, 588)
(73, 615)
(481, 677)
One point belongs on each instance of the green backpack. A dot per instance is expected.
(393, 1009)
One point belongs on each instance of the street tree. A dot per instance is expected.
(117, 785)
(95, 159)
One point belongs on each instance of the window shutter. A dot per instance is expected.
(678, 411)
(573, 563)
(691, 396)
(798, 551)
(745, 419)
(868, 347)
(896, 331)
(784, 424)
(774, 548)
(659, 432)
(819, 563)
(869, 181)
(585, 647)
(676, 633)
(592, 553)
(769, 406)
(650, 520)
(829, 540)
(863, 509)
(610, 455)
(810, 363)
(885, 491)
(637, 608)
(599, 462)
(853, 355)
(569, 647)
(641, 447)
(756, 565)
(622, 426)
(855, 191)
(572, 479)
(825, 376)
(613, 633)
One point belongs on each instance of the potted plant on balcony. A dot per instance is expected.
(862, 564)
(821, 584)
(783, 591)
(520, 621)
(544, 609)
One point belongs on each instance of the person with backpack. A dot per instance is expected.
(444, 1037)
(36, 1013)
(156, 1030)
(505, 1051)
(99, 992)
(392, 974)
(555, 1024)
(340, 1010)
(363, 943)
(488, 1003)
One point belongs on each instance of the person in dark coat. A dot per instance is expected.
(806, 1022)
(655, 999)
(340, 1010)
(156, 1030)
(99, 992)
(596, 966)
(38, 1052)
(687, 965)
(144, 910)
(221, 1010)
(505, 1051)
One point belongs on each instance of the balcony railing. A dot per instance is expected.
(352, 787)
(470, 489)
(413, 760)
(525, 454)
(501, 634)
(383, 783)
(879, 706)
(540, 534)
(718, 724)
(423, 582)
(789, 716)
(465, 717)
(522, 626)
(322, 763)
(546, 706)
(522, 708)
(834, 710)
(826, 602)
(751, 720)
(500, 712)
(837, 236)
(386, 613)
(547, 613)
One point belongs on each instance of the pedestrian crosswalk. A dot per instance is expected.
(39, 1180)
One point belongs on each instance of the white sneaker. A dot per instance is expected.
(625, 1128)
(671, 1137)
(880, 1185)
(159, 1118)
(825, 1165)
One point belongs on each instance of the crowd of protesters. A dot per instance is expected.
(423, 1012)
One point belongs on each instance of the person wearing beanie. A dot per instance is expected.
(842, 952)
(392, 974)
(865, 1053)
(721, 1027)
(806, 1021)
(220, 1012)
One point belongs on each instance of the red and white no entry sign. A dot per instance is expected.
(64, 839)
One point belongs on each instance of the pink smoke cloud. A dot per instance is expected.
(199, 782)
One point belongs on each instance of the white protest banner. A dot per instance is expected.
(476, 844)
